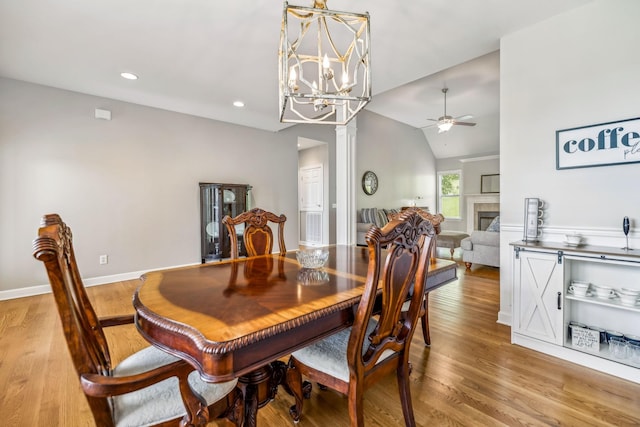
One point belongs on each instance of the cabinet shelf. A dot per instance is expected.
(605, 354)
(611, 302)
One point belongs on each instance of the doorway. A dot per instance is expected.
(313, 194)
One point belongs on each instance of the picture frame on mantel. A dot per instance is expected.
(490, 183)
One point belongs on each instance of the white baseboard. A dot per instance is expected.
(504, 318)
(91, 281)
(610, 367)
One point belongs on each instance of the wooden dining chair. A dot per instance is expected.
(149, 387)
(257, 236)
(353, 359)
(436, 220)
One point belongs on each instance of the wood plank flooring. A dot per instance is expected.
(471, 375)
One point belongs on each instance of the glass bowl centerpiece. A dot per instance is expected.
(312, 258)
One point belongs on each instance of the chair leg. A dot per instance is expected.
(404, 370)
(195, 405)
(356, 402)
(297, 389)
(425, 321)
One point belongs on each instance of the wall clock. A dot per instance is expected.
(369, 183)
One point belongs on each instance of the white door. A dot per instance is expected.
(311, 205)
(538, 302)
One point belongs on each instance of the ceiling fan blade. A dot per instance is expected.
(465, 117)
(464, 123)
(429, 126)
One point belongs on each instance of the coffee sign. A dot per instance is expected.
(598, 145)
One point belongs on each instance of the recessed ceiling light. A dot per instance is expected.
(129, 76)
(238, 104)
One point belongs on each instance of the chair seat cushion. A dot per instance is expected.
(159, 402)
(330, 354)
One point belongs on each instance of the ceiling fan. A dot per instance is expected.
(445, 122)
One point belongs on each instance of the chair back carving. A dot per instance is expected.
(408, 240)
(258, 237)
(82, 329)
(436, 219)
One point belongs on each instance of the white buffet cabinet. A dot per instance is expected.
(543, 309)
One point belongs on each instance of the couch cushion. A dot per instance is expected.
(486, 238)
(368, 215)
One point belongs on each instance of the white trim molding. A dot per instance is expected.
(471, 200)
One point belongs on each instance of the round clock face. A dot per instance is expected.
(369, 182)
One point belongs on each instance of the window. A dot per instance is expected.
(449, 183)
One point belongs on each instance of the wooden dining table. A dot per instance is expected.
(236, 318)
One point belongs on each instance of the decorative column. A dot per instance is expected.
(346, 185)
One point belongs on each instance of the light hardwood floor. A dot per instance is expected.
(471, 375)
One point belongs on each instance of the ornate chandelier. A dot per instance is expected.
(325, 74)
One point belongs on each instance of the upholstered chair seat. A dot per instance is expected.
(330, 354)
(160, 402)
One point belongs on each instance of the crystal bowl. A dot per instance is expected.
(312, 258)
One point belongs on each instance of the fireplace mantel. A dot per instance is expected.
(472, 200)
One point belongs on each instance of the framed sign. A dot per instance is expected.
(490, 183)
(603, 144)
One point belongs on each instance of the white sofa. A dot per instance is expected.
(482, 247)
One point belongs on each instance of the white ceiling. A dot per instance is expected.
(198, 56)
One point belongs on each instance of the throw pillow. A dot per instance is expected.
(495, 225)
(381, 218)
(369, 215)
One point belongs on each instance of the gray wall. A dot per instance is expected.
(576, 69)
(401, 158)
(129, 187)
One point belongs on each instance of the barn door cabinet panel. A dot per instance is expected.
(538, 285)
(548, 317)
(216, 201)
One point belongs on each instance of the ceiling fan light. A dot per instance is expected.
(444, 126)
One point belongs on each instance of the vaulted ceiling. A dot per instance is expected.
(199, 56)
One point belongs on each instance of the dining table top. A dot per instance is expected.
(229, 317)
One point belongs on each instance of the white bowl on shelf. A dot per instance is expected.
(578, 288)
(604, 291)
(573, 239)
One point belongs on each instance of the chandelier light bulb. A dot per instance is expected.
(327, 72)
(293, 77)
(344, 88)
